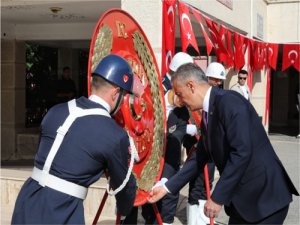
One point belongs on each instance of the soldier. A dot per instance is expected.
(74, 152)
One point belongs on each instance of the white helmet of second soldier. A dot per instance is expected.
(179, 59)
(216, 70)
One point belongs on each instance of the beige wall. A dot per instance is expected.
(284, 22)
(148, 14)
(280, 24)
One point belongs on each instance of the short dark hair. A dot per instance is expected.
(189, 71)
(243, 72)
(98, 82)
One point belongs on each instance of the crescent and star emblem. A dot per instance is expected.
(211, 31)
(171, 10)
(168, 56)
(290, 54)
(185, 16)
(270, 51)
(244, 47)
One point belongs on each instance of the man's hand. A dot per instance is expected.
(156, 194)
(212, 209)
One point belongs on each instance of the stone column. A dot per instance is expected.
(12, 95)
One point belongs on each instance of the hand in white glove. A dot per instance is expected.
(160, 183)
(191, 129)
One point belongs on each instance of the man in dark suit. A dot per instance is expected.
(253, 186)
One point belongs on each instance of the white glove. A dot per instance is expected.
(191, 129)
(160, 183)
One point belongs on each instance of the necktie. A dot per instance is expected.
(205, 134)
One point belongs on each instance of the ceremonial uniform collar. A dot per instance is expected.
(168, 76)
(100, 101)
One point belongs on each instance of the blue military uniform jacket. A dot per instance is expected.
(166, 84)
(92, 145)
(252, 178)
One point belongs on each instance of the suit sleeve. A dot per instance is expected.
(193, 166)
(117, 168)
(234, 116)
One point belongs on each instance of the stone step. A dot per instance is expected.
(12, 180)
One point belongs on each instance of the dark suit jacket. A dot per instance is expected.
(253, 179)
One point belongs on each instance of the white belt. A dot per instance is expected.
(58, 184)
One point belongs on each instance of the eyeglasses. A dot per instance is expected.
(242, 78)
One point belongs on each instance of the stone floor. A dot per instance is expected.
(287, 148)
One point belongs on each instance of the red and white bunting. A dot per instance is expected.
(186, 29)
(291, 56)
(240, 46)
(168, 34)
(218, 38)
(230, 58)
(209, 44)
(272, 54)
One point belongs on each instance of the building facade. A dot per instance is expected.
(67, 25)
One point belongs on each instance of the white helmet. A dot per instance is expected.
(216, 70)
(179, 59)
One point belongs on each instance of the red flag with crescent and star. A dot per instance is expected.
(291, 56)
(230, 61)
(209, 44)
(217, 37)
(272, 53)
(262, 55)
(240, 47)
(186, 29)
(257, 58)
(168, 34)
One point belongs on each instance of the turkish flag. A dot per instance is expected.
(262, 59)
(256, 55)
(168, 34)
(209, 44)
(218, 38)
(291, 56)
(230, 61)
(272, 54)
(186, 29)
(240, 46)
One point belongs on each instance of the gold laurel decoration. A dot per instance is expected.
(103, 45)
(152, 166)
